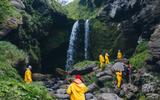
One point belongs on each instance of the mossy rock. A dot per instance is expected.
(84, 64)
(140, 56)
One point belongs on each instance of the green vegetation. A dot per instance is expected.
(102, 37)
(15, 90)
(9, 53)
(11, 85)
(77, 11)
(7, 11)
(85, 63)
(138, 59)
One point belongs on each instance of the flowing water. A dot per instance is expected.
(86, 39)
(72, 45)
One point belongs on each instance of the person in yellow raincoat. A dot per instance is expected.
(102, 61)
(119, 78)
(28, 75)
(119, 55)
(107, 58)
(77, 89)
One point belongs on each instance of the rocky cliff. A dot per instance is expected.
(39, 27)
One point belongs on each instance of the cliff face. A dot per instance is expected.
(38, 28)
(133, 20)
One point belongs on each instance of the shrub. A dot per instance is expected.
(15, 90)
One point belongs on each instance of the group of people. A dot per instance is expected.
(105, 59)
(121, 76)
(77, 88)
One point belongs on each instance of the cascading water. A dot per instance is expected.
(86, 39)
(71, 48)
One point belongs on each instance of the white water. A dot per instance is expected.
(64, 2)
(71, 48)
(86, 39)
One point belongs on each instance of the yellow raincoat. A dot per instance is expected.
(28, 76)
(119, 55)
(107, 58)
(101, 60)
(119, 78)
(77, 90)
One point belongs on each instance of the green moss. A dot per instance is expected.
(102, 37)
(77, 11)
(138, 60)
(7, 10)
(85, 64)
(142, 47)
(141, 54)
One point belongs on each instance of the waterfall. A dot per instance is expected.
(86, 39)
(71, 48)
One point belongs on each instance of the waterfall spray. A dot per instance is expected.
(86, 39)
(71, 48)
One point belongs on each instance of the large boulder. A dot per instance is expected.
(108, 96)
(154, 45)
(18, 4)
(149, 88)
(129, 90)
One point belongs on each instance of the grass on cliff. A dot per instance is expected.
(141, 54)
(77, 11)
(12, 86)
(85, 63)
(7, 10)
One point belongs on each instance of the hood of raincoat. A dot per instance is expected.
(78, 85)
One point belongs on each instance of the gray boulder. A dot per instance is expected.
(149, 88)
(90, 96)
(18, 4)
(152, 96)
(105, 78)
(61, 91)
(62, 96)
(108, 96)
(92, 86)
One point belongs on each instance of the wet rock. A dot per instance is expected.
(148, 88)
(39, 76)
(84, 70)
(152, 96)
(106, 90)
(128, 90)
(10, 24)
(108, 96)
(129, 87)
(90, 96)
(103, 73)
(92, 86)
(61, 91)
(154, 45)
(105, 78)
(62, 96)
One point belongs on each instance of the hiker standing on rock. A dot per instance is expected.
(107, 58)
(28, 75)
(119, 78)
(102, 61)
(119, 55)
(77, 89)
